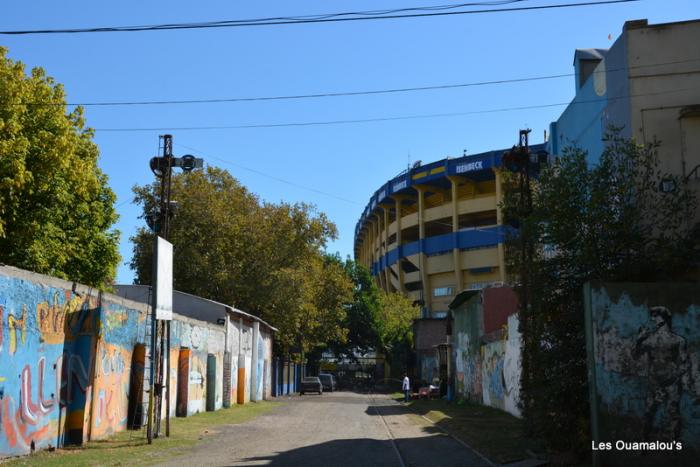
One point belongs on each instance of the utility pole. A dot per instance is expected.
(522, 161)
(160, 348)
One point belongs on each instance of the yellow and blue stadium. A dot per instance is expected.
(436, 230)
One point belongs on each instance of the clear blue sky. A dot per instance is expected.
(349, 161)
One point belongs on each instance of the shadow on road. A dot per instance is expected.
(363, 453)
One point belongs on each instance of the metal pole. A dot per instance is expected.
(151, 377)
(165, 343)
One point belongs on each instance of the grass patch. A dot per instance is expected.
(494, 433)
(131, 448)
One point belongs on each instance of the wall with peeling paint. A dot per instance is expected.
(201, 339)
(66, 360)
(486, 360)
(643, 343)
(69, 365)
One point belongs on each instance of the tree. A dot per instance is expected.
(362, 315)
(396, 315)
(609, 222)
(264, 258)
(376, 320)
(56, 209)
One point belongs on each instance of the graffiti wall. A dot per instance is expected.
(267, 341)
(73, 358)
(466, 348)
(487, 362)
(512, 367)
(643, 343)
(66, 356)
(201, 339)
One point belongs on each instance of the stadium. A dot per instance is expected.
(435, 230)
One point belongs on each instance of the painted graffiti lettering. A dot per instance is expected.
(112, 362)
(52, 319)
(17, 328)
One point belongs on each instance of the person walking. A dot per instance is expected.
(406, 388)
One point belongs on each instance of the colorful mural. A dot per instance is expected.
(73, 363)
(487, 365)
(644, 363)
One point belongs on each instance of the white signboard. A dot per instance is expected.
(164, 280)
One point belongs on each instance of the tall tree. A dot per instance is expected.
(608, 222)
(376, 320)
(264, 258)
(56, 209)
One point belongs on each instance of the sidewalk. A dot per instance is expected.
(495, 434)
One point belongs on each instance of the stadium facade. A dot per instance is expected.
(436, 230)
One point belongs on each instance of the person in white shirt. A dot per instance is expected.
(406, 388)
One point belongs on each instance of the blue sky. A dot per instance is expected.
(348, 161)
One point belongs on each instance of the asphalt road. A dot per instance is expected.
(335, 429)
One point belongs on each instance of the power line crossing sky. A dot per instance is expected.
(327, 165)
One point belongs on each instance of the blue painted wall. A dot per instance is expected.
(603, 100)
(644, 363)
(66, 359)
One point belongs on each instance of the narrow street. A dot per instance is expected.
(335, 429)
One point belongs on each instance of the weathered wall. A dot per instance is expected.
(121, 328)
(501, 367)
(268, 364)
(66, 360)
(202, 339)
(487, 364)
(498, 304)
(428, 366)
(512, 367)
(467, 330)
(492, 356)
(643, 343)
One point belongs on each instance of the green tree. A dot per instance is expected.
(396, 315)
(264, 258)
(608, 222)
(362, 317)
(376, 320)
(56, 209)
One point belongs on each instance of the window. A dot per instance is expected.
(443, 291)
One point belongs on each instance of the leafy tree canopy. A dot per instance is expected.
(608, 222)
(264, 258)
(375, 320)
(56, 209)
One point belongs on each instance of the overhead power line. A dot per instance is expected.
(342, 93)
(384, 119)
(271, 177)
(419, 12)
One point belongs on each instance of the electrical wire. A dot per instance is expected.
(345, 93)
(329, 18)
(266, 175)
(386, 119)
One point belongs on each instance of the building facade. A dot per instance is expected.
(436, 230)
(648, 85)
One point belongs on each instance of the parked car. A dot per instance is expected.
(311, 384)
(328, 381)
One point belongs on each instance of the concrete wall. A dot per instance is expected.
(69, 367)
(66, 353)
(487, 365)
(202, 339)
(643, 343)
(501, 369)
(467, 330)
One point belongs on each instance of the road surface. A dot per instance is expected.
(334, 429)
